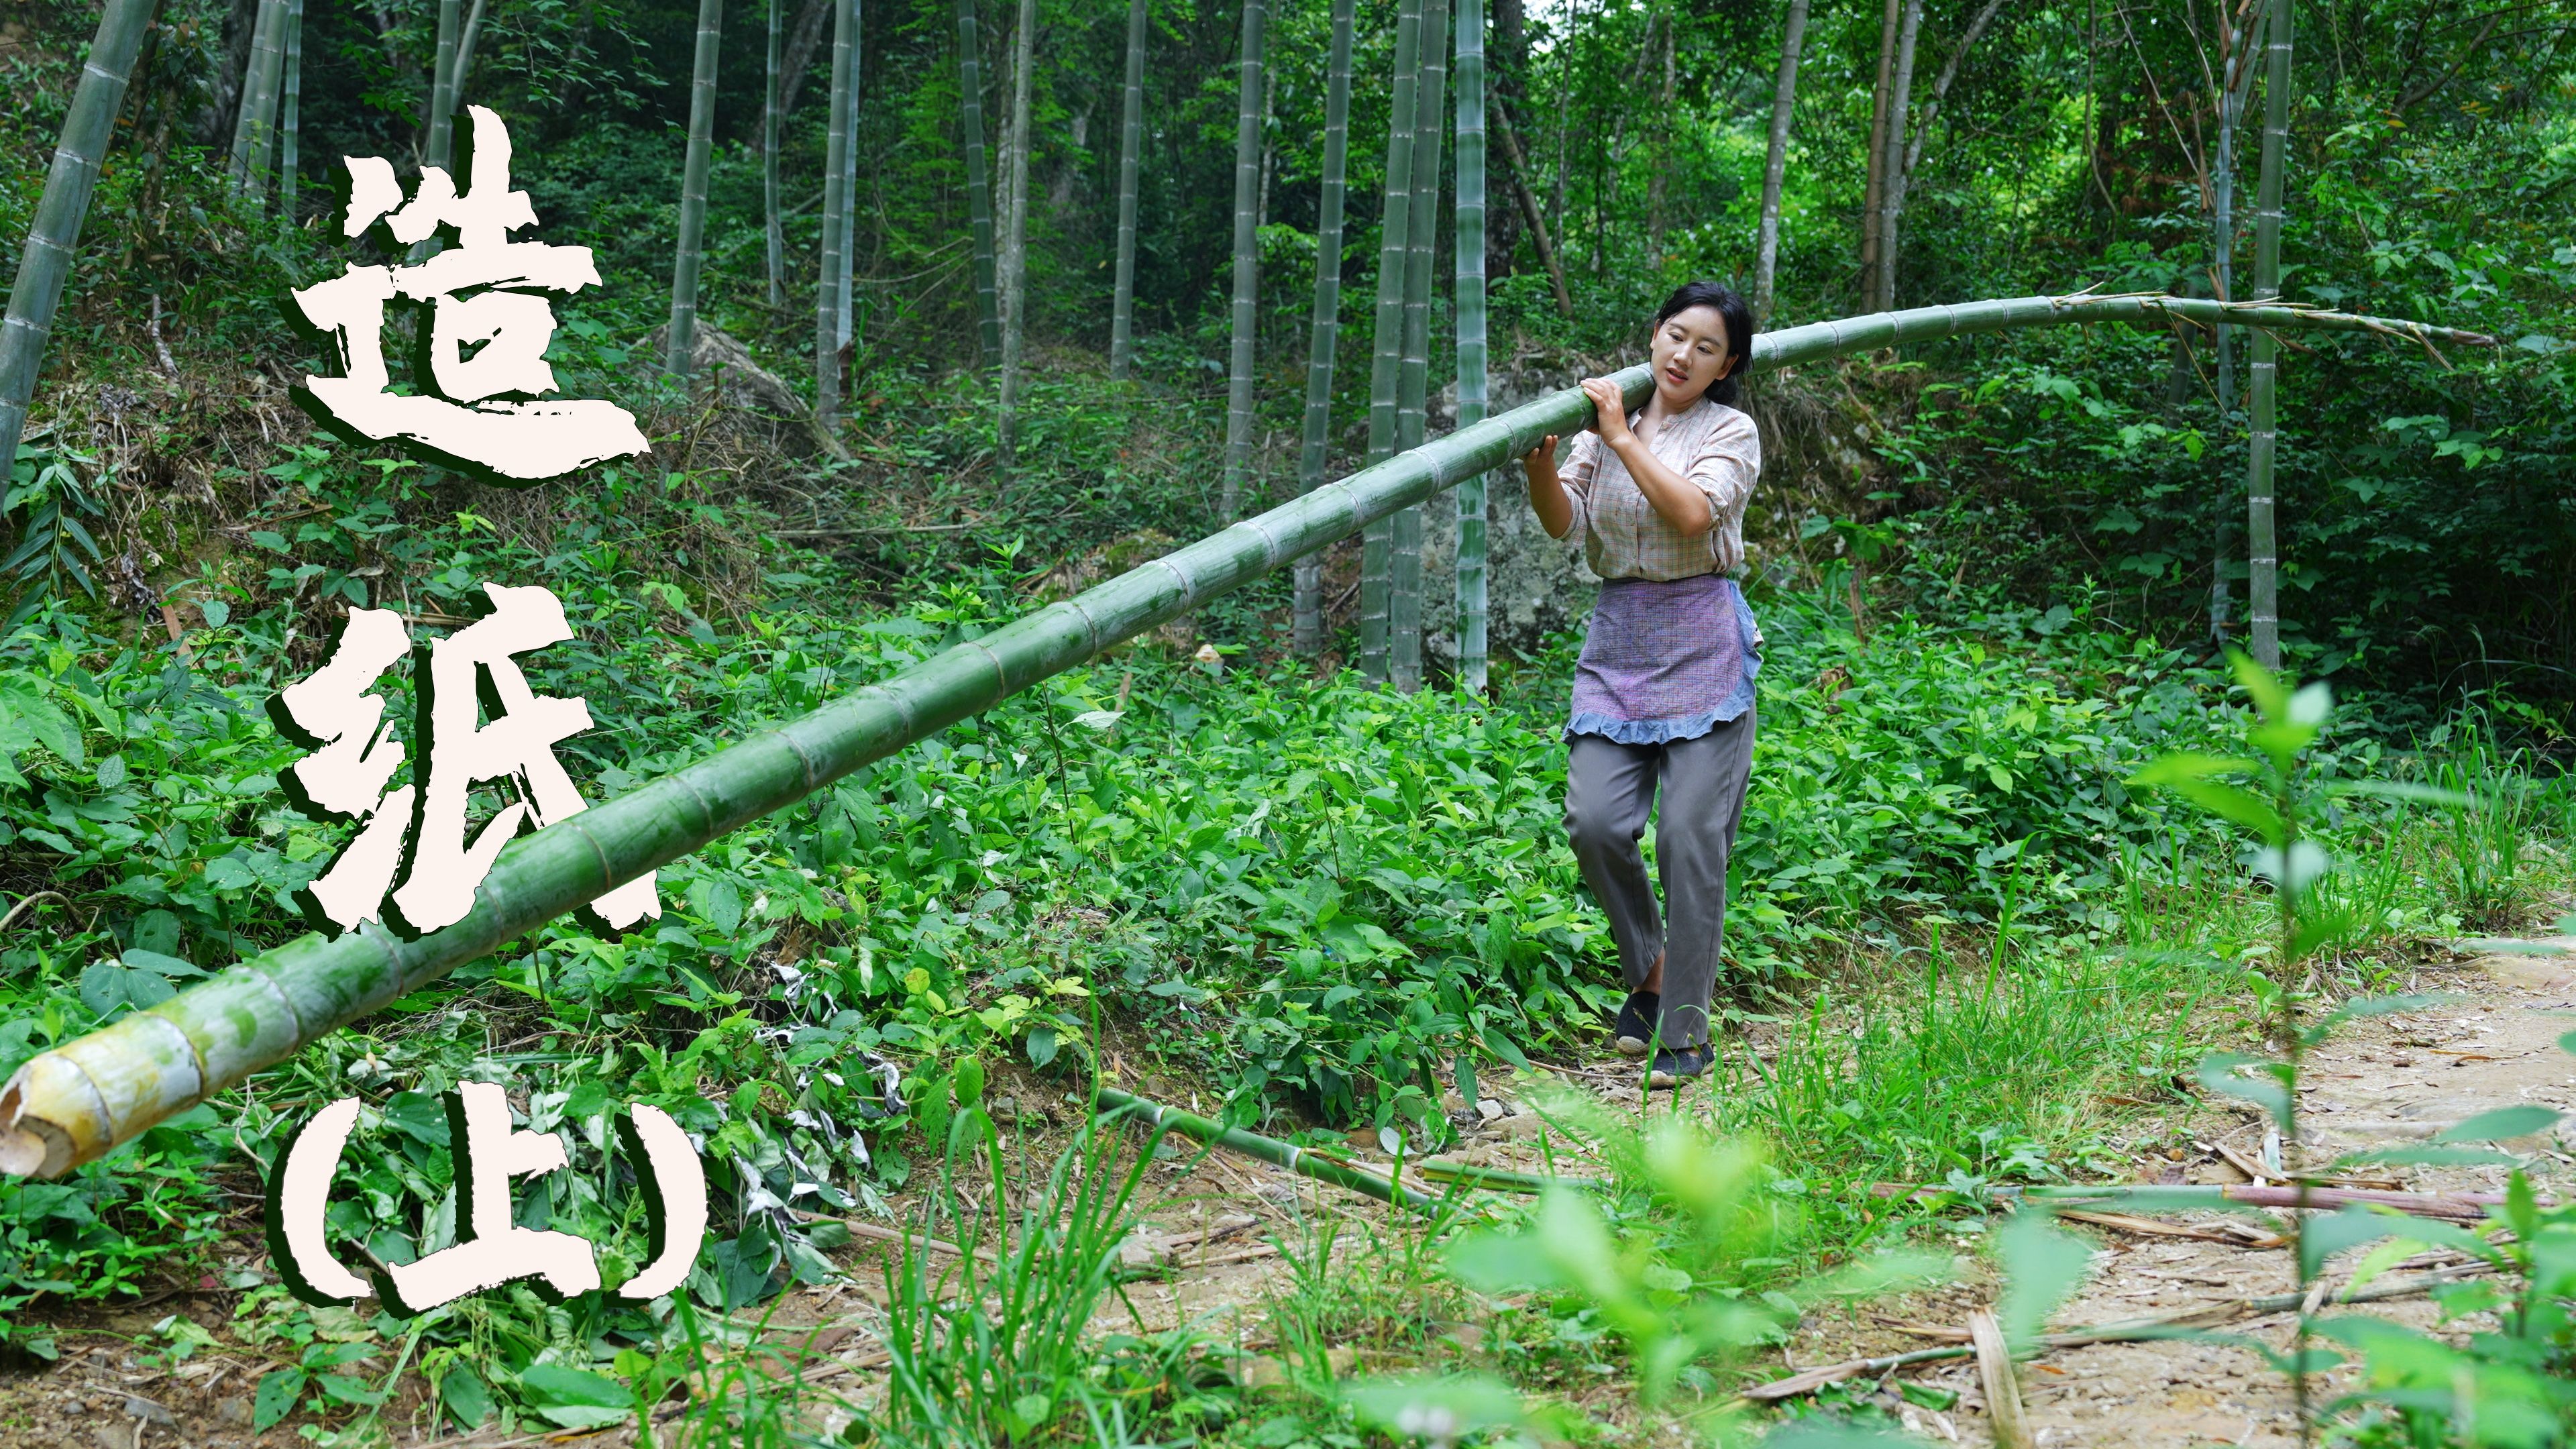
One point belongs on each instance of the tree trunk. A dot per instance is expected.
(1131, 145)
(246, 114)
(1413, 379)
(1530, 216)
(1387, 344)
(1891, 167)
(773, 227)
(79, 1100)
(2262, 557)
(1247, 262)
(1784, 99)
(54, 239)
(1941, 85)
(801, 45)
(1506, 69)
(1663, 158)
(442, 102)
(1015, 246)
(1470, 308)
(2234, 77)
(693, 188)
(290, 113)
(836, 214)
(979, 184)
(1877, 153)
(1307, 636)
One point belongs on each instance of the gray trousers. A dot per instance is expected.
(1609, 788)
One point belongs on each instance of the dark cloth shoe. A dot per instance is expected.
(1636, 1026)
(1675, 1065)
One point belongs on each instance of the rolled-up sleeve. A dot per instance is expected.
(1582, 466)
(1724, 467)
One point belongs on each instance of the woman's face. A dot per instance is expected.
(1689, 353)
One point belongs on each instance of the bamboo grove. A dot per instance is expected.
(1455, 86)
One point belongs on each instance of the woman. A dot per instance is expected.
(1663, 694)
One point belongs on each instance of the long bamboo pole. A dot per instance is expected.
(2262, 438)
(1307, 632)
(1131, 145)
(76, 1102)
(1470, 308)
(1413, 375)
(1377, 545)
(1246, 319)
(54, 240)
(693, 189)
(979, 184)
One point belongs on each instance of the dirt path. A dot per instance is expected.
(2380, 1083)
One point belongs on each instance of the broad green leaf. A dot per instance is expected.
(2502, 1123)
(2042, 1263)
(275, 1398)
(1442, 1410)
(2327, 1234)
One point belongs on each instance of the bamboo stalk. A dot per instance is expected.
(1307, 635)
(979, 184)
(1501, 1179)
(693, 190)
(1784, 99)
(1877, 157)
(442, 97)
(74, 1103)
(247, 115)
(773, 225)
(2262, 552)
(269, 67)
(290, 112)
(1413, 374)
(844, 315)
(2234, 77)
(1131, 144)
(45, 264)
(1470, 307)
(1015, 248)
(836, 216)
(1246, 319)
(1377, 550)
(1267, 1149)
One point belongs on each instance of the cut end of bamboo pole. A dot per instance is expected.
(30, 1144)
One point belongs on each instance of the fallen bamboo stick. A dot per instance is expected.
(2132, 1330)
(1268, 1149)
(862, 1228)
(2234, 1234)
(2463, 1206)
(2003, 1387)
(1499, 1179)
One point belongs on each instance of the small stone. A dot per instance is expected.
(233, 1412)
(1491, 1109)
(75, 1408)
(139, 1407)
(1527, 1124)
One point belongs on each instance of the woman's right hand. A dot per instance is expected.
(1546, 494)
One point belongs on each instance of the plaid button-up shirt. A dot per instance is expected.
(1712, 445)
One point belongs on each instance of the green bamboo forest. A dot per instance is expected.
(1146, 948)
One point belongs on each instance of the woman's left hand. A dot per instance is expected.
(1612, 408)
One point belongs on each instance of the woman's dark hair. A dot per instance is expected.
(1739, 329)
